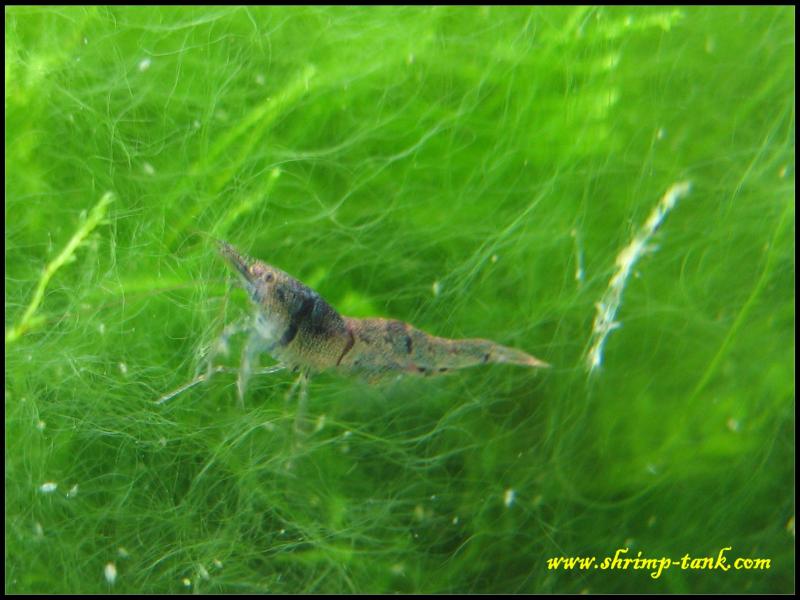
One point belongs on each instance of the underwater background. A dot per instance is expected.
(609, 189)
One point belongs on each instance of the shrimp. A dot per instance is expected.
(304, 333)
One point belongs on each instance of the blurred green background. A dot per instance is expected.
(473, 171)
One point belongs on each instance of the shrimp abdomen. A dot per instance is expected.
(384, 346)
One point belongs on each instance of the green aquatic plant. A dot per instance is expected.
(501, 173)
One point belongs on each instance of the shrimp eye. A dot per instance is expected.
(261, 271)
